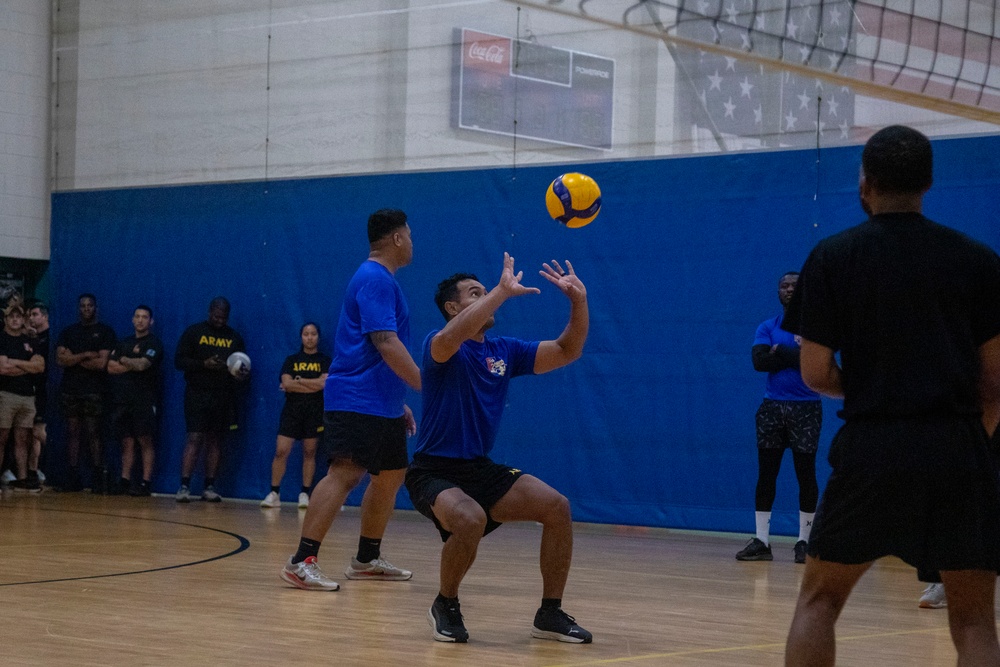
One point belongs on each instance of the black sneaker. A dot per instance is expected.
(31, 483)
(755, 550)
(73, 482)
(554, 623)
(141, 490)
(119, 487)
(99, 481)
(800, 551)
(447, 623)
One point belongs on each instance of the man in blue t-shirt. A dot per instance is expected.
(789, 417)
(452, 480)
(365, 423)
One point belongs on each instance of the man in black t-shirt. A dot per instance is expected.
(134, 367)
(913, 308)
(38, 329)
(18, 362)
(210, 394)
(82, 351)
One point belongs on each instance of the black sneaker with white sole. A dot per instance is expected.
(800, 549)
(755, 550)
(554, 623)
(446, 620)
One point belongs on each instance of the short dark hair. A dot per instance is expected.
(898, 160)
(786, 274)
(383, 222)
(219, 302)
(143, 306)
(310, 324)
(447, 290)
(87, 295)
(40, 305)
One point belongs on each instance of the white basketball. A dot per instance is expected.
(238, 363)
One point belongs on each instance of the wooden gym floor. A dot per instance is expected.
(95, 580)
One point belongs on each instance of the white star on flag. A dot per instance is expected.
(746, 99)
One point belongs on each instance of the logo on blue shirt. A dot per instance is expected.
(497, 367)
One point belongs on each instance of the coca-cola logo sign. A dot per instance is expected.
(491, 53)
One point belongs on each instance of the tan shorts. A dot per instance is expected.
(16, 411)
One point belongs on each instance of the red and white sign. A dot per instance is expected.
(486, 52)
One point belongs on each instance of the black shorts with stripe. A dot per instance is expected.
(209, 410)
(301, 420)
(481, 479)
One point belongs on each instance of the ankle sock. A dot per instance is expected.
(307, 548)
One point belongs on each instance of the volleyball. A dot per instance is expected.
(573, 199)
(238, 363)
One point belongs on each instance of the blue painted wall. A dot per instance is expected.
(654, 426)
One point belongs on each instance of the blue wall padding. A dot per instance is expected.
(654, 426)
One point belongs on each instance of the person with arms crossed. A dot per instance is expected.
(82, 351)
(303, 376)
(913, 309)
(134, 368)
(38, 329)
(452, 481)
(366, 421)
(209, 394)
(19, 362)
(790, 416)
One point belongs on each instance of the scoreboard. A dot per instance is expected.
(555, 95)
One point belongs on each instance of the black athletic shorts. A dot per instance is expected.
(81, 406)
(373, 443)
(300, 420)
(134, 420)
(924, 490)
(793, 424)
(481, 479)
(209, 411)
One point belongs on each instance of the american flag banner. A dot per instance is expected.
(733, 97)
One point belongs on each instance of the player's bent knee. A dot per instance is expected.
(557, 509)
(465, 520)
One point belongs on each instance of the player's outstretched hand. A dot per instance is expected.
(566, 280)
(510, 282)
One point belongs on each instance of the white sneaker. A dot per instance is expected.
(307, 576)
(377, 570)
(303, 500)
(41, 477)
(210, 495)
(8, 476)
(933, 597)
(183, 494)
(271, 500)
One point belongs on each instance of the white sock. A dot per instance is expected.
(805, 525)
(763, 520)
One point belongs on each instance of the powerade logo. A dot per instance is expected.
(589, 71)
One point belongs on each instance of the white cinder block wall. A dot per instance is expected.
(25, 28)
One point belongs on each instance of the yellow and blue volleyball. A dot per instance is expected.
(573, 199)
